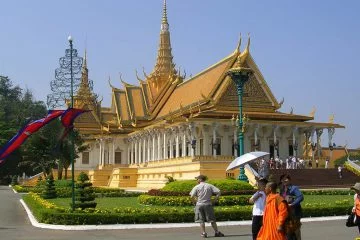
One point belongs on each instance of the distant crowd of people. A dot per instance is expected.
(291, 162)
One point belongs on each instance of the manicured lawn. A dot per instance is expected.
(121, 202)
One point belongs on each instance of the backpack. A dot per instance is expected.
(291, 223)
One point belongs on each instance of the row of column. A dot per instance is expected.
(181, 141)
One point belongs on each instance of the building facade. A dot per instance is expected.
(173, 126)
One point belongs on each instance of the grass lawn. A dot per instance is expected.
(120, 202)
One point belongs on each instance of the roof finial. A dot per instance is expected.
(241, 59)
(237, 50)
(164, 17)
(84, 66)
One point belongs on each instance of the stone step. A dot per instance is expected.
(318, 178)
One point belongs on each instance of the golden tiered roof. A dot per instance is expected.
(163, 95)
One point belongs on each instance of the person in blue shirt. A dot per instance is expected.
(294, 197)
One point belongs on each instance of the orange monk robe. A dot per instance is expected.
(274, 216)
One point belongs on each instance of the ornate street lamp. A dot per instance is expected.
(67, 80)
(240, 74)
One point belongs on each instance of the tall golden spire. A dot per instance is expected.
(84, 66)
(164, 69)
(84, 93)
(164, 17)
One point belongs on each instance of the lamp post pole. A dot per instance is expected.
(240, 75)
(71, 132)
(67, 81)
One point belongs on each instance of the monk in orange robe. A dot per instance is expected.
(276, 211)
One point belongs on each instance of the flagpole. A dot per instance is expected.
(71, 132)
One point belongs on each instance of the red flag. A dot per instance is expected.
(26, 131)
(68, 117)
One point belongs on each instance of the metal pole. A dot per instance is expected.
(240, 85)
(71, 131)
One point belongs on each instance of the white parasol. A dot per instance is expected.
(246, 158)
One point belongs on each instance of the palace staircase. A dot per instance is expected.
(318, 178)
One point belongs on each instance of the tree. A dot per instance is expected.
(65, 147)
(40, 151)
(15, 108)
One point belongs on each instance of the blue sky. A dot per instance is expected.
(308, 51)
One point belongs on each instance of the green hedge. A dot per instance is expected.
(46, 213)
(64, 191)
(223, 185)
(186, 201)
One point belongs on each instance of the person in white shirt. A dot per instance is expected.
(258, 199)
(340, 171)
(204, 210)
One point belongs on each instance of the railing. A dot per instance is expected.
(353, 164)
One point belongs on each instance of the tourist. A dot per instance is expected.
(204, 210)
(327, 162)
(294, 197)
(274, 217)
(356, 208)
(340, 171)
(317, 163)
(258, 199)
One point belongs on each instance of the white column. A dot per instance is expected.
(128, 152)
(165, 146)
(113, 151)
(136, 152)
(295, 144)
(132, 152)
(148, 148)
(153, 147)
(140, 152)
(171, 147)
(192, 138)
(144, 149)
(158, 146)
(183, 154)
(275, 142)
(100, 153)
(214, 139)
(177, 142)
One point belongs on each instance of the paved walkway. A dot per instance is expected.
(15, 225)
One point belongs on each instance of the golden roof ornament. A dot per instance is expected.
(241, 59)
(331, 118)
(281, 102)
(237, 50)
(164, 17)
(312, 113)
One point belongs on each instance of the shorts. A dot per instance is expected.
(204, 213)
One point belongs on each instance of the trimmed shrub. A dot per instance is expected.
(48, 213)
(49, 191)
(85, 195)
(187, 201)
(157, 192)
(223, 185)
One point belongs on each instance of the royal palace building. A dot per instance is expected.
(172, 126)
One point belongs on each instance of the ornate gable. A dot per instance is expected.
(254, 96)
